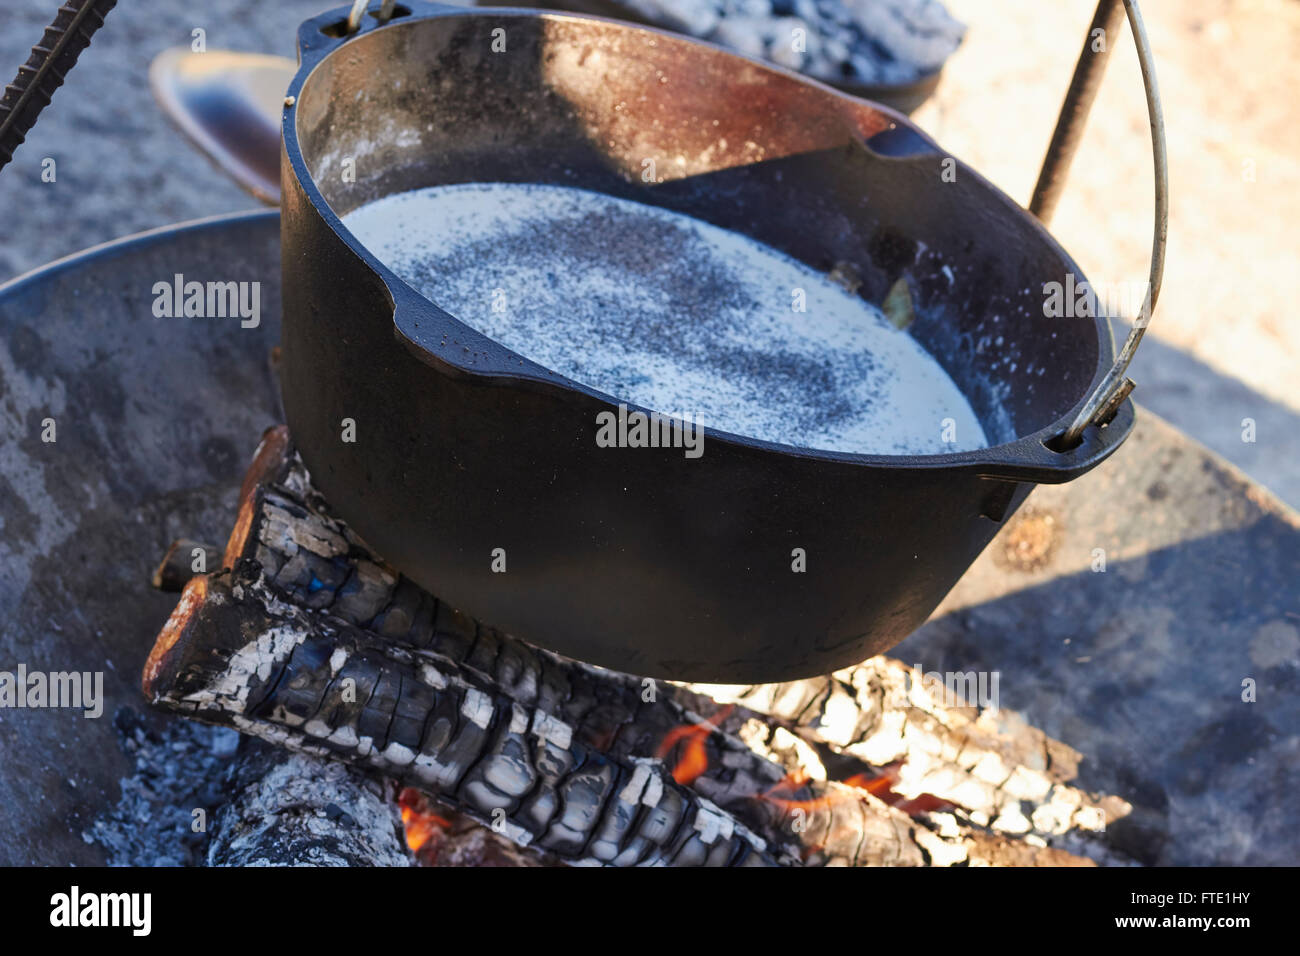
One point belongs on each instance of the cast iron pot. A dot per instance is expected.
(641, 559)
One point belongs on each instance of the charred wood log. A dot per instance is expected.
(314, 560)
(234, 653)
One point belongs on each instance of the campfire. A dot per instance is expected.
(339, 709)
(468, 746)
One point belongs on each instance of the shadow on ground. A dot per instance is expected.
(1149, 668)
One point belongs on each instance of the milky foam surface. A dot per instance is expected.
(670, 313)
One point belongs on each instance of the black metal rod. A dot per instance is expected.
(1078, 101)
(44, 72)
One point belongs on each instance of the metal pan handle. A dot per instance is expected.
(1105, 400)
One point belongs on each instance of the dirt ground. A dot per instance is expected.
(1225, 345)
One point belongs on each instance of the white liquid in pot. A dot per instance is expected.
(670, 313)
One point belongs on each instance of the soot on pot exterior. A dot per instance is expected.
(654, 563)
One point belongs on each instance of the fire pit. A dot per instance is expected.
(393, 726)
(127, 369)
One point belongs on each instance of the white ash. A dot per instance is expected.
(179, 767)
(301, 810)
(260, 806)
(864, 41)
(664, 311)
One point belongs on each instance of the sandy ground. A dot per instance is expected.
(1225, 344)
(1227, 340)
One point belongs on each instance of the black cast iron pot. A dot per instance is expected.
(642, 559)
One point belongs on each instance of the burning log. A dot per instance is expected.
(308, 559)
(1002, 772)
(234, 653)
(312, 559)
(945, 841)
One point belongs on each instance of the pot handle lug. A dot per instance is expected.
(1041, 460)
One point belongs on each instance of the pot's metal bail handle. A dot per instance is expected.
(358, 11)
(1105, 400)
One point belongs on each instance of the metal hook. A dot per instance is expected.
(359, 10)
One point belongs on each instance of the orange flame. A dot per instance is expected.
(882, 787)
(420, 823)
(790, 783)
(876, 786)
(694, 759)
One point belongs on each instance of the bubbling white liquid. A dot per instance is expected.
(664, 311)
